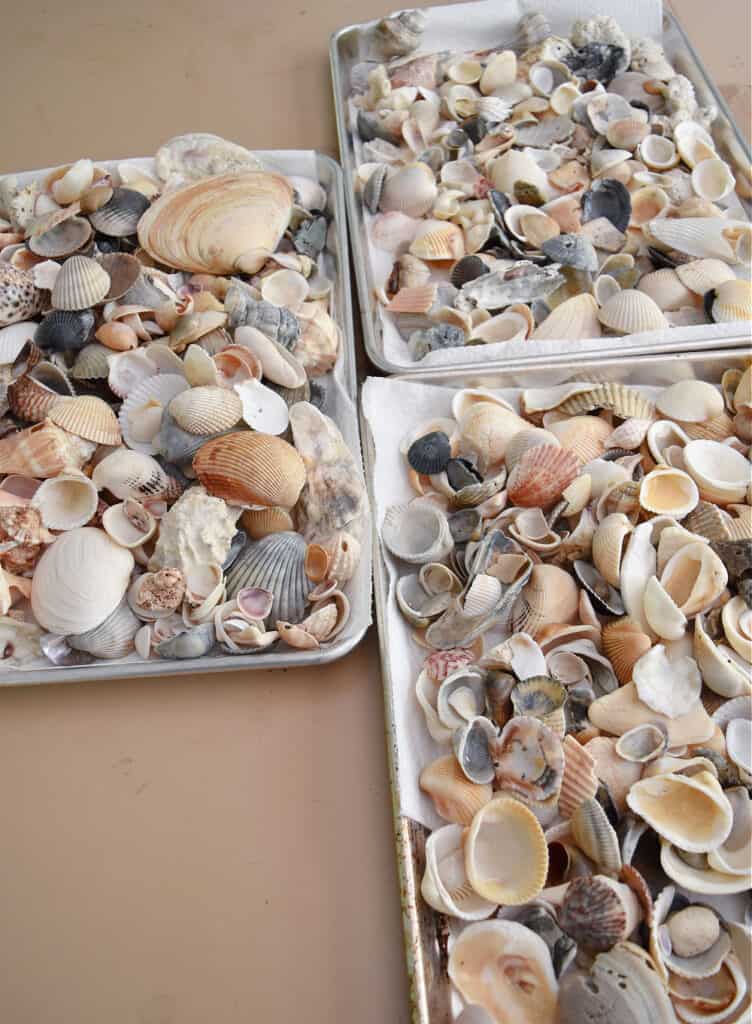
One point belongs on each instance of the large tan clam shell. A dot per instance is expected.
(206, 409)
(88, 417)
(218, 225)
(251, 469)
(506, 856)
(583, 435)
(690, 811)
(79, 581)
(620, 711)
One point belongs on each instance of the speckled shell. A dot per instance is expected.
(88, 417)
(251, 469)
(20, 298)
(206, 410)
(277, 564)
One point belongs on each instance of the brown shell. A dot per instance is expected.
(30, 400)
(623, 644)
(251, 469)
(260, 522)
(88, 417)
(593, 913)
(580, 781)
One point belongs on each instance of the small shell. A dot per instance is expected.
(438, 240)
(662, 614)
(445, 886)
(529, 759)
(455, 798)
(731, 301)
(579, 782)
(262, 408)
(411, 191)
(624, 644)
(712, 179)
(694, 577)
(285, 288)
(668, 491)
(690, 401)
(598, 912)
(584, 436)
(116, 336)
(666, 289)
(119, 216)
(643, 743)
(128, 474)
(631, 312)
(595, 835)
(609, 541)
(142, 412)
(658, 153)
(61, 239)
(260, 522)
(506, 856)
(417, 533)
(206, 410)
(88, 417)
(701, 276)
(81, 283)
(541, 475)
(279, 366)
(129, 523)
(66, 501)
(573, 319)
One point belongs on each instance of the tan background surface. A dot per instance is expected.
(212, 849)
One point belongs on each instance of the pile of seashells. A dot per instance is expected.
(169, 482)
(560, 190)
(581, 585)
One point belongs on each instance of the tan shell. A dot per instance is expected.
(624, 643)
(609, 541)
(690, 401)
(251, 469)
(88, 417)
(279, 366)
(666, 289)
(41, 451)
(573, 319)
(620, 711)
(583, 435)
(631, 312)
(595, 835)
(506, 856)
(549, 597)
(669, 491)
(206, 410)
(260, 522)
(700, 276)
(218, 225)
(485, 430)
(455, 798)
(66, 501)
(580, 782)
(690, 811)
(694, 577)
(438, 240)
(81, 283)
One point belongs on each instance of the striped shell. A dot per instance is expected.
(206, 410)
(580, 781)
(261, 522)
(631, 312)
(41, 451)
(624, 643)
(81, 284)
(585, 436)
(251, 469)
(88, 417)
(541, 475)
(625, 402)
(277, 564)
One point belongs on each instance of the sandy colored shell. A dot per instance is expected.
(251, 469)
(41, 451)
(583, 435)
(260, 522)
(218, 225)
(625, 402)
(580, 781)
(690, 811)
(455, 798)
(81, 283)
(88, 417)
(206, 410)
(624, 643)
(573, 319)
(506, 856)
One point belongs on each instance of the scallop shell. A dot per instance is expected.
(541, 475)
(701, 237)
(631, 312)
(88, 417)
(141, 413)
(573, 319)
(42, 451)
(579, 782)
(455, 798)
(690, 811)
(218, 225)
(598, 912)
(277, 564)
(128, 474)
(79, 580)
(474, 962)
(584, 436)
(506, 856)
(113, 638)
(701, 276)
(529, 759)
(261, 522)
(445, 886)
(625, 402)
(81, 283)
(206, 410)
(119, 217)
(251, 469)
(66, 501)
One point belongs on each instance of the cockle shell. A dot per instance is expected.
(485, 430)
(506, 857)
(609, 542)
(597, 912)
(579, 782)
(218, 225)
(550, 596)
(88, 417)
(584, 436)
(277, 564)
(690, 401)
(66, 501)
(445, 886)
(691, 812)
(669, 491)
(438, 240)
(81, 283)
(631, 312)
(113, 638)
(486, 965)
(251, 469)
(701, 276)
(572, 320)
(541, 475)
(79, 580)
(206, 409)
(455, 798)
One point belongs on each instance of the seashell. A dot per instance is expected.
(200, 368)
(438, 240)
(472, 743)
(218, 225)
(141, 414)
(541, 475)
(573, 319)
(411, 190)
(631, 312)
(608, 546)
(604, 597)
(550, 596)
(643, 743)
(184, 539)
(485, 429)
(79, 580)
(129, 523)
(42, 451)
(81, 283)
(712, 179)
(626, 132)
(691, 812)
(658, 153)
(66, 501)
(669, 491)
(543, 698)
(737, 621)
(119, 217)
(698, 879)
(277, 564)
(649, 203)
(668, 684)
(261, 522)
(251, 469)
(506, 856)
(571, 251)
(285, 288)
(500, 71)
(666, 289)
(595, 836)
(430, 453)
(563, 99)
(701, 237)
(445, 886)
(116, 336)
(662, 614)
(32, 396)
(124, 272)
(694, 577)
(738, 737)
(524, 439)
(455, 798)
(417, 533)
(506, 326)
(597, 912)
(529, 759)
(701, 276)
(128, 474)
(65, 331)
(579, 782)
(690, 401)
(610, 199)
(529, 224)
(731, 301)
(206, 410)
(624, 644)
(279, 366)
(113, 638)
(732, 856)
(583, 436)
(606, 162)
(620, 711)
(513, 166)
(188, 643)
(262, 408)
(483, 966)
(198, 154)
(87, 417)
(531, 529)
(61, 239)
(418, 299)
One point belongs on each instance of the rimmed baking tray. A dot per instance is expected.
(425, 931)
(352, 45)
(339, 398)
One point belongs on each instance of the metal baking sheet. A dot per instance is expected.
(425, 931)
(350, 46)
(339, 401)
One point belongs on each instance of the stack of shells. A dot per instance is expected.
(169, 483)
(576, 567)
(566, 189)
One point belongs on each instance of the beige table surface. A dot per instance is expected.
(205, 849)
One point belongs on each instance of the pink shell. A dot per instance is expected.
(541, 475)
(440, 664)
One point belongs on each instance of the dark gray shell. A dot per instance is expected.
(310, 238)
(276, 563)
(374, 187)
(571, 251)
(430, 453)
(119, 217)
(606, 599)
(275, 322)
(601, 61)
(610, 199)
(65, 330)
(431, 339)
(467, 269)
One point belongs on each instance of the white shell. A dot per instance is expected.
(737, 625)
(263, 409)
(721, 472)
(128, 523)
(285, 288)
(445, 885)
(278, 365)
(670, 686)
(662, 614)
(128, 370)
(712, 179)
(694, 577)
(669, 491)
(129, 474)
(141, 413)
(658, 153)
(664, 802)
(703, 237)
(722, 671)
(417, 533)
(66, 501)
(200, 369)
(691, 401)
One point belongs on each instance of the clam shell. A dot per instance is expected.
(411, 190)
(662, 614)
(631, 312)
(598, 912)
(113, 638)
(128, 474)
(141, 413)
(81, 283)
(701, 276)
(732, 302)
(550, 596)
(79, 580)
(277, 564)
(712, 179)
(62, 239)
(643, 743)
(206, 410)
(66, 501)
(485, 429)
(220, 224)
(279, 366)
(541, 475)
(690, 811)
(261, 522)
(251, 469)
(697, 879)
(506, 856)
(669, 491)
(417, 533)
(579, 782)
(88, 417)
(573, 319)
(690, 401)
(666, 289)
(455, 798)
(65, 330)
(584, 436)
(701, 237)
(445, 886)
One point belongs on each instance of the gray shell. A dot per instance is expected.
(189, 643)
(275, 563)
(275, 322)
(523, 282)
(112, 638)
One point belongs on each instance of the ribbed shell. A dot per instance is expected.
(666, 289)
(262, 522)
(119, 217)
(623, 644)
(702, 275)
(733, 301)
(113, 638)
(88, 417)
(61, 240)
(573, 319)
(275, 563)
(593, 913)
(153, 394)
(30, 400)
(444, 242)
(65, 330)
(206, 410)
(81, 283)
(251, 469)
(580, 781)
(626, 402)
(631, 312)
(585, 436)
(541, 475)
